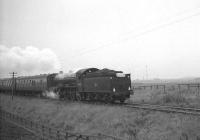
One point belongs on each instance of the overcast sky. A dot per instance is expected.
(147, 38)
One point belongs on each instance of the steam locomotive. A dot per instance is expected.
(85, 84)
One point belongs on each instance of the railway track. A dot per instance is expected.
(165, 108)
(153, 107)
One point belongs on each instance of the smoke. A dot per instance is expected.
(71, 74)
(60, 76)
(28, 60)
(51, 94)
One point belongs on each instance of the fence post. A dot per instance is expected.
(87, 138)
(66, 136)
(22, 121)
(11, 117)
(133, 89)
(31, 124)
(36, 126)
(43, 131)
(184, 136)
(188, 87)
(164, 89)
(50, 132)
(179, 88)
(58, 135)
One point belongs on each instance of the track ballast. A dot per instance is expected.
(165, 108)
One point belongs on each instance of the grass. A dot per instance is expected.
(171, 96)
(117, 121)
(174, 98)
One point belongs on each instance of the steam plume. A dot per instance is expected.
(51, 94)
(65, 75)
(28, 60)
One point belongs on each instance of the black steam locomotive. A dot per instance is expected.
(86, 84)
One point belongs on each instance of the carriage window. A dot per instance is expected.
(33, 82)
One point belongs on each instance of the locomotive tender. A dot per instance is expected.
(86, 84)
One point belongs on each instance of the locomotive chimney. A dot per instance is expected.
(60, 72)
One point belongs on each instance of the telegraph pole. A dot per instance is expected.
(146, 73)
(13, 83)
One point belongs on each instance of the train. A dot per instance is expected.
(90, 84)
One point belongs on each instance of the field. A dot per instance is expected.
(117, 121)
(171, 96)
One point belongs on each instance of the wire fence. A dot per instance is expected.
(141, 87)
(180, 88)
(8, 131)
(44, 132)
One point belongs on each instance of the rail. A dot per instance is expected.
(44, 132)
(165, 108)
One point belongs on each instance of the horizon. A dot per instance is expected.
(8, 75)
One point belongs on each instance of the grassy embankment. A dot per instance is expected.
(171, 96)
(92, 119)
